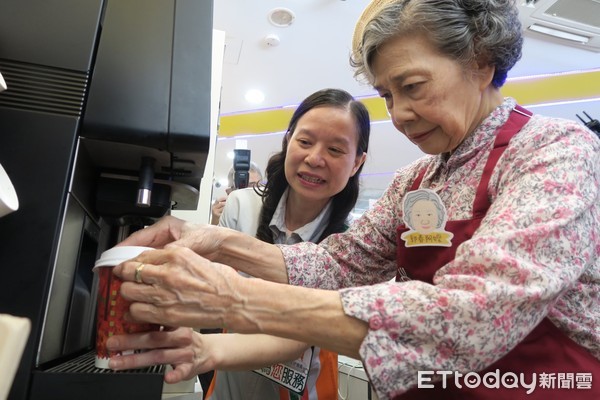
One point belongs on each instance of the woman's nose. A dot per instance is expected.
(315, 158)
(401, 113)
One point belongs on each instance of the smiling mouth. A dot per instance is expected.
(420, 136)
(311, 179)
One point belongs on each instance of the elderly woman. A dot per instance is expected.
(510, 309)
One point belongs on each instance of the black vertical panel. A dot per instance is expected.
(191, 84)
(36, 151)
(46, 49)
(129, 94)
(152, 77)
(53, 33)
(158, 98)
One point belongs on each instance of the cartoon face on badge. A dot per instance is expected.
(425, 215)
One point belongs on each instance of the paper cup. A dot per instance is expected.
(9, 201)
(111, 306)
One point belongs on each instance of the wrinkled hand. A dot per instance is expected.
(169, 231)
(203, 239)
(181, 288)
(164, 231)
(185, 350)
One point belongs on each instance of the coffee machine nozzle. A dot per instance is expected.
(144, 193)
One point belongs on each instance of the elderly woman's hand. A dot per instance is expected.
(205, 240)
(177, 287)
(169, 231)
(189, 353)
(164, 231)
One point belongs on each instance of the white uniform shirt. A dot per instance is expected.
(242, 212)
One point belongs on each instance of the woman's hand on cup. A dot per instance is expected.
(185, 350)
(169, 231)
(181, 288)
(203, 239)
(164, 231)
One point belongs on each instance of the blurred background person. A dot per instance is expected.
(256, 177)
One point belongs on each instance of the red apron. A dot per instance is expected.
(545, 350)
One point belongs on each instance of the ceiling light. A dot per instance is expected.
(281, 17)
(559, 34)
(254, 96)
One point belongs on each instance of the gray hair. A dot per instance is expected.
(424, 194)
(486, 31)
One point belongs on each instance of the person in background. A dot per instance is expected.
(255, 178)
(312, 185)
(509, 310)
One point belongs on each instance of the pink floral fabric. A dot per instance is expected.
(535, 255)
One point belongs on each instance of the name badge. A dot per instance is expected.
(292, 374)
(425, 214)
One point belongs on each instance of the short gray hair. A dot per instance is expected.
(466, 30)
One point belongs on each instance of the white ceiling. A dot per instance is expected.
(313, 52)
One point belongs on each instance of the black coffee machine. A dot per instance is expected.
(103, 129)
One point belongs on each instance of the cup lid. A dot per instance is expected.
(117, 255)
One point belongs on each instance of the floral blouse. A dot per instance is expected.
(535, 255)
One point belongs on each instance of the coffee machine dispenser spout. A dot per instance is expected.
(144, 193)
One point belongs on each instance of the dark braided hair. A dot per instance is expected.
(276, 183)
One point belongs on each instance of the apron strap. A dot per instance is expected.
(517, 119)
(417, 182)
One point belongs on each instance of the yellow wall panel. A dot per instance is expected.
(527, 91)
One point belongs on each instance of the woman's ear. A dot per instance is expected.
(485, 72)
(358, 161)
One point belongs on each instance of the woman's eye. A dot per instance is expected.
(388, 100)
(411, 87)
